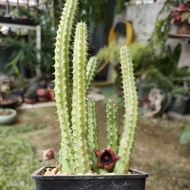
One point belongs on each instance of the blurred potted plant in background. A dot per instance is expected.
(30, 96)
(21, 57)
(7, 116)
(180, 17)
(50, 89)
(42, 95)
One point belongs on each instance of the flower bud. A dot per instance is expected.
(48, 154)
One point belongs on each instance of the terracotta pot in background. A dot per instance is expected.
(42, 95)
(184, 28)
(50, 89)
(51, 94)
(30, 100)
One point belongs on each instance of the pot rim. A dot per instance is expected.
(135, 174)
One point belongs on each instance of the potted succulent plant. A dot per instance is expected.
(30, 96)
(81, 163)
(180, 17)
(50, 89)
(42, 94)
(8, 101)
(7, 116)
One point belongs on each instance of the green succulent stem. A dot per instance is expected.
(79, 101)
(62, 83)
(76, 114)
(112, 125)
(92, 131)
(131, 112)
(90, 71)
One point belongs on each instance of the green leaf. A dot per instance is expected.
(184, 16)
(185, 136)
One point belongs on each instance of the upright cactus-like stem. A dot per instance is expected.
(79, 101)
(92, 131)
(131, 112)
(112, 125)
(62, 85)
(71, 102)
(90, 71)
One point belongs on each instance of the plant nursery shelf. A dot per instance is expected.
(182, 36)
(8, 20)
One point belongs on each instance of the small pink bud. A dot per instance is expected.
(48, 154)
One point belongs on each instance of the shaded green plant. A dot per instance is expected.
(163, 66)
(21, 56)
(96, 11)
(30, 93)
(110, 53)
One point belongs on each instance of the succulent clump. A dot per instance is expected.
(77, 113)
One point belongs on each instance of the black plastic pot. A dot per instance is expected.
(134, 181)
(180, 104)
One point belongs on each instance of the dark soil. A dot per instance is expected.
(157, 149)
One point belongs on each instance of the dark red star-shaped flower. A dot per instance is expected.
(106, 158)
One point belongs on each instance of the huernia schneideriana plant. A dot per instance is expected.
(77, 114)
